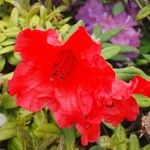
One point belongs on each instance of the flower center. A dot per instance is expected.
(63, 65)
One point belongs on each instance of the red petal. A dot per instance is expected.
(34, 45)
(143, 86)
(89, 132)
(82, 45)
(31, 87)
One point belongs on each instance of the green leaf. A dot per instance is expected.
(14, 144)
(48, 5)
(147, 57)
(2, 37)
(106, 36)
(129, 72)
(105, 142)
(144, 12)
(69, 137)
(64, 29)
(2, 63)
(145, 45)
(47, 130)
(134, 142)
(142, 100)
(7, 101)
(97, 31)
(12, 32)
(6, 49)
(7, 131)
(13, 22)
(118, 8)
(73, 29)
(147, 147)
(110, 51)
(125, 48)
(54, 147)
(119, 137)
(34, 22)
(25, 138)
(12, 59)
(96, 147)
(8, 42)
(40, 118)
(34, 10)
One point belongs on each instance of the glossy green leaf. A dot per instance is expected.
(144, 12)
(34, 10)
(7, 131)
(12, 32)
(47, 130)
(2, 63)
(40, 118)
(97, 31)
(34, 22)
(12, 59)
(6, 49)
(147, 57)
(69, 138)
(2, 37)
(110, 52)
(125, 48)
(14, 144)
(8, 42)
(119, 137)
(118, 8)
(129, 72)
(13, 22)
(142, 100)
(74, 28)
(134, 142)
(104, 142)
(106, 36)
(7, 101)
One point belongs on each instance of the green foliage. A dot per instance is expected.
(119, 141)
(118, 8)
(111, 51)
(23, 16)
(129, 72)
(144, 12)
(142, 100)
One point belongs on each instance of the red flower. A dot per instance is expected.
(143, 86)
(121, 104)
(70, 78)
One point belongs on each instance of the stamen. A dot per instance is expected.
(63, 65)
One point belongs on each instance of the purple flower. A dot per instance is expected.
(95, 12)
(132, 8)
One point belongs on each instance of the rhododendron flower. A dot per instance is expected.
(73, 80)
(94, 12)
(121, 103)
(70, 78)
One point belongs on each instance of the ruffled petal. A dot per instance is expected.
(89, 132)
(82, 45)
(36, 45)
(30, 85)
(143, 86)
